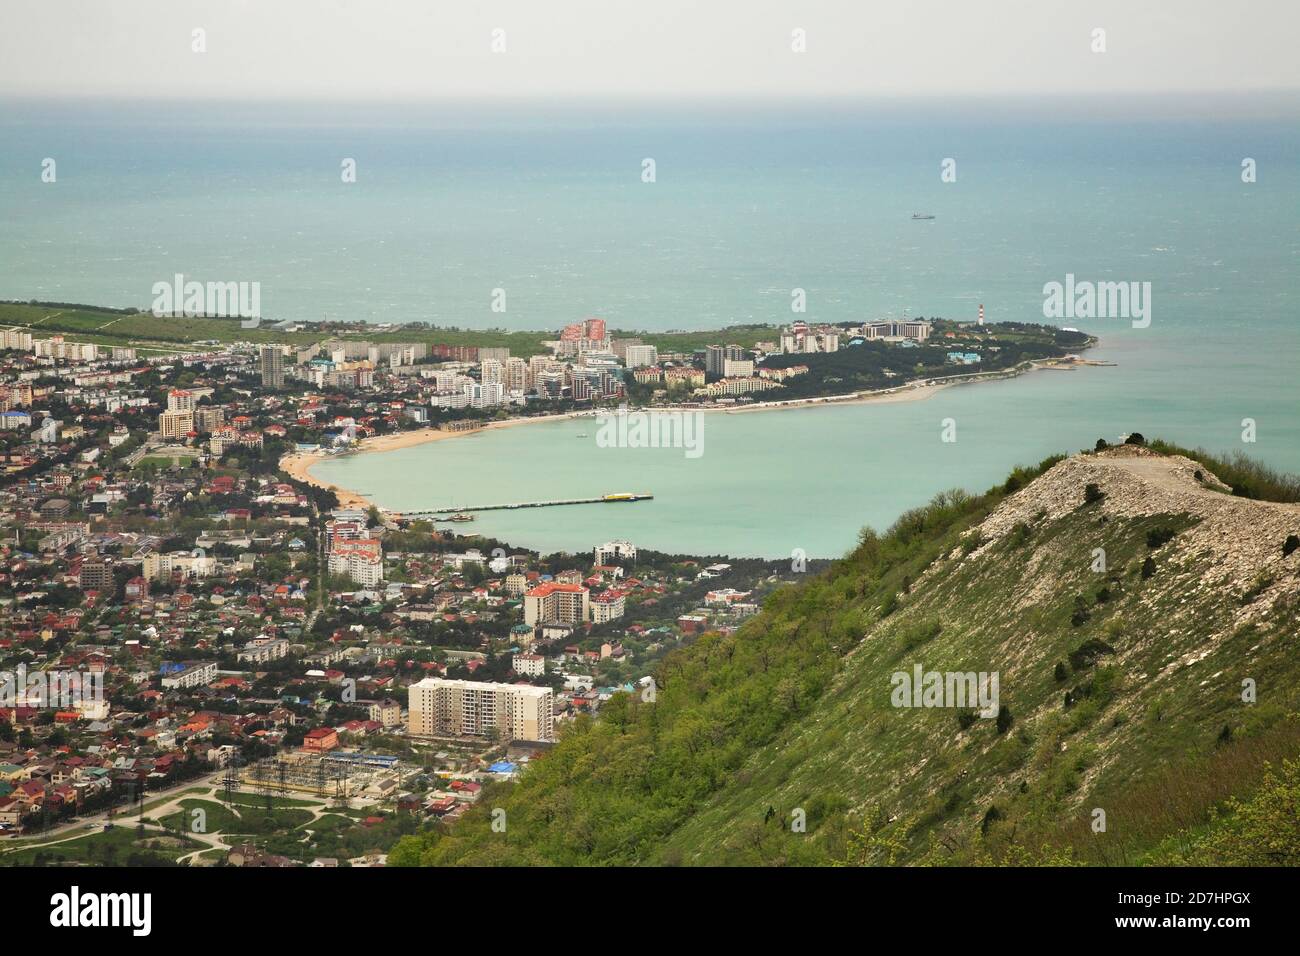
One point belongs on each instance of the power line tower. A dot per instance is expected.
(342, 774)
(282, 769)
(230, 779)
(264, 783)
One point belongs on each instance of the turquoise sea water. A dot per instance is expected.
(746, 206)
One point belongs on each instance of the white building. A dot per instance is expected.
(440, 707)
(609, 606)
(528, 665)
(361, 560)
(639, 356)
(191, 674)
(262, 649)
(614, 551)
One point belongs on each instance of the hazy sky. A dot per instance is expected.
(336, 50)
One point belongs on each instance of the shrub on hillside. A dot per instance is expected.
(1005, 720)
(1088, 653)
(1158, 537)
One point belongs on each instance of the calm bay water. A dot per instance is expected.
(745, 208)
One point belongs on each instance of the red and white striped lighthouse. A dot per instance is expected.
(981, 322)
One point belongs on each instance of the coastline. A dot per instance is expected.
(298, 465)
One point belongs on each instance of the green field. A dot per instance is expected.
(117, 847)
(146, 332)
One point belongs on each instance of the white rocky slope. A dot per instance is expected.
(1241, 537)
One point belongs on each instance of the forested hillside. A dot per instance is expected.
(1140, 616)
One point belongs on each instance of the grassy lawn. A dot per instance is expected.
(243, 820)
(253, 800)
(117, 847)
(145, 331)
(153, 804)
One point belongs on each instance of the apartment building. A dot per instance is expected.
(189, 674)
(440, 707)
(557, 604)
(612, 551)
(262, 649)
(529, 665)
(737, 386)
(387, 712)
(638, 356)
(272, 366)
(361, 560)
(608, 606)
(95, 576)
(161, 567)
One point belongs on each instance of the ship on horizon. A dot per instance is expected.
(922, 215)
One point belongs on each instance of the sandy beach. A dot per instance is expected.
(299, 464)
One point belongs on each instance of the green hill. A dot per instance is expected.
(1140, 618)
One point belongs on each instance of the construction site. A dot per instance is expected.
(327, 776)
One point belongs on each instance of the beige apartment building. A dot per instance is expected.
(440, 707)
(557, 603)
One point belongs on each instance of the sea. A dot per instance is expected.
(668, 217)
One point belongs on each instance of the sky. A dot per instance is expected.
(442, 50)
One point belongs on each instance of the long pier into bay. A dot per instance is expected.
(465, 509)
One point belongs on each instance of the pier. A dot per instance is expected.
(601, 500)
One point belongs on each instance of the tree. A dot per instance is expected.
(1005, 720)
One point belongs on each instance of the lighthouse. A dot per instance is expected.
(981, 321)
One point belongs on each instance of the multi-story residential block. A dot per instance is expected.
(95, 575)
(608, 606)
(683, 376)
(271, 360)
(262, 649)
(612, 551)
(557, 603)
(175, 424)
(387, 712)
(440, 707)
(190, 674)
(516, 375)
(716, 357)
(209, 418)
(737, 386)
(361, 560)
(528, 665)
(637, 356)
(161, 567)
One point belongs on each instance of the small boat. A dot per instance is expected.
(582, 434)
(461, 516)
(922, 215)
